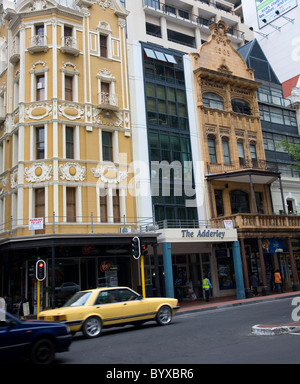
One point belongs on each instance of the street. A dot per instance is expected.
(218, 336)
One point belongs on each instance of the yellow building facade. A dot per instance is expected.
(65, 141)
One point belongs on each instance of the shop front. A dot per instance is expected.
(192, 254)
(73, 264)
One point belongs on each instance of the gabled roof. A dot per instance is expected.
(256, 59)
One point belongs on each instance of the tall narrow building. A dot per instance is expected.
(65, 147)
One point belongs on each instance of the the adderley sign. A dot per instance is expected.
(182, 235)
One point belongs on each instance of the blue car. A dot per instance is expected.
(35, 341)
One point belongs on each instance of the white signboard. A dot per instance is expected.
(36, 223)
(197, 235)
(228, 224)
(266, 10)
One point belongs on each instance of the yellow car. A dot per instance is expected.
(89, 311)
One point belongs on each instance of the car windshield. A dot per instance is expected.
(79, 299)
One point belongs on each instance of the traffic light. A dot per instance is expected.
(144, 251)
(31, 271)
(135, 247)
(40, 270)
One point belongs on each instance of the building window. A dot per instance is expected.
(103, 207)
(40, 88)
(103, 46)
(69, 142)
(107, 149)
(40, 143)
(40, 35)
(116, 206)
(277, 115)
(71, 204)
(212, 100)
(219, 202)
(239, 201)
(241, 152)
(40, 202)
(226, 150)
(241, 106)
(212, 149)
(253, 154)
(69, 88)
(166, 106)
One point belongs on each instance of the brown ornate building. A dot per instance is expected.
(237, 175)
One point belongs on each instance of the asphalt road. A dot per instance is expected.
(219, 336)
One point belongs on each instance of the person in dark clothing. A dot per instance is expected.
(254, 284)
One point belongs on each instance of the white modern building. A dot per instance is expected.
(276, 25)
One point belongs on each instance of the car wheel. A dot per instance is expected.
(92, 327)
(164, 316)
(42, 352)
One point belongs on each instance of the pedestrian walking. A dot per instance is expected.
(278, 281)
(254, 284)
(206, 285)
(179, 289)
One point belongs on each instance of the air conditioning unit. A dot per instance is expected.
(151, 228)
(125, 229)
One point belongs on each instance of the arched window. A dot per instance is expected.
(239, 201)
(212, 148)
(241, 106)
(212, 100)
(226, 150)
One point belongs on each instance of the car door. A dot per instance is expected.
(134, 307)
(13, 339)
(108, 306)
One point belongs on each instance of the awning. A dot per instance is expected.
(257, 176)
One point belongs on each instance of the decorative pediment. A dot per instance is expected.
(35, 5)
(218, 56)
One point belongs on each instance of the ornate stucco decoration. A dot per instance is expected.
(107, 118)
(71, 111)
(104, 4)
(72, 172)
(3, 183)
(219, 33)
(109, 173)
(14, 179)
(105, 74)
(38, 172)
(38, 111)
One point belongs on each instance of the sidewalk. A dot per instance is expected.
(259, 329)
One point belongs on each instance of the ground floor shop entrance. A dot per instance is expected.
(72, 264)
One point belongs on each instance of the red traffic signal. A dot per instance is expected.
(40, 270)
(144, 251)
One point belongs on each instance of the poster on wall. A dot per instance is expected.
(266, 10)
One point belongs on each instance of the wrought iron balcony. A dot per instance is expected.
(70, 45)
(108, 101)
(38, 43)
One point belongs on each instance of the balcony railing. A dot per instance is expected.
(184, 15)
(108, 100)
(242, 164)
(83, 225)
(261, 222)
(38, 43)
(70, 45)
